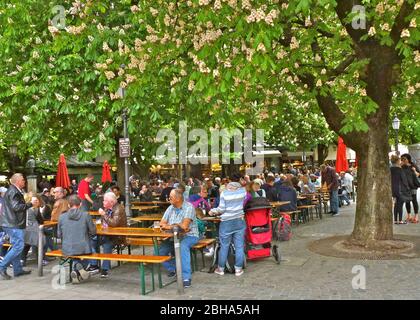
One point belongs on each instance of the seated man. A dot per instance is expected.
(75, 227)
(179, 213)
(120, 198)
(287, 193)
(113, 215)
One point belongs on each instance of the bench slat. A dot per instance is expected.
(114, 257)
(140, 241)
(203, 243)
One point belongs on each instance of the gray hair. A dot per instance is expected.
(16, 177)
(74, 200)
(111, 196)
(59, 189)
(178, 193)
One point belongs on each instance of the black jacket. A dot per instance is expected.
(399, 184)
(270, 192)
(14, 215)
(287, 194)
(412, 180)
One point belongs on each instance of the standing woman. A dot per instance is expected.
(34, 218)
(412, 172)
(400, 189)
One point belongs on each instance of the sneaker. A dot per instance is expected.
(219, 271)
(171, 274)
(92, 269)
(44, 263)
(210, 252)
(84, 274)
(187, 283)
(239, 272)
(104, 274)
(4, 275)
(74, 277)
(336, 214)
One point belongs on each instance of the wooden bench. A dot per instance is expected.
(200, 246)
(141, 242)
(305, 211)
(142, 260)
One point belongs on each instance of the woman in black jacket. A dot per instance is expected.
(411, 171)
(400, 189)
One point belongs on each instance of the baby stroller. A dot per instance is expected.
(259, 230)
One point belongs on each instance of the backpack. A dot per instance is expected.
(283, 230)
(230, 261)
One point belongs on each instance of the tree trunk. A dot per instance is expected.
(322, 153)
(374, 202)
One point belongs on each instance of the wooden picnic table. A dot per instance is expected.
(50, 223)
(149, 233)
(132, 232)
(147, 203)
(144, 208)
(151, 217)
(94, 213)
(217, 220)
(279, 203)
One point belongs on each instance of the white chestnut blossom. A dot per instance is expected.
(372, 31)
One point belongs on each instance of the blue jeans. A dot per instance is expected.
(334, 200)
(108, 245)
(15, 252)
(167, 248)
(49, 241)
(228, 231)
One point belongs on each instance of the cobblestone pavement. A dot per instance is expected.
(301, 275)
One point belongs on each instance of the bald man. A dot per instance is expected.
(13, 222)
(112, 215)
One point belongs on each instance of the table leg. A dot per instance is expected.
(40, 250)
(177, 247)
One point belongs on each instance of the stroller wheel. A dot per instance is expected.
(276, 254)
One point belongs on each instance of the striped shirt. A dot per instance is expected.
(175, 216)
(231, 204)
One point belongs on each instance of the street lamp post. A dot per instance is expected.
(13, 153)
(396, 126)
(121, 93)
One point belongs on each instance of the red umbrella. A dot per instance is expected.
(106, 173)
(341, 163)
(62, 179)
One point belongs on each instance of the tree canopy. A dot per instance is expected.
(224, 63)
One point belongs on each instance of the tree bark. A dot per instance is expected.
(374, 201)
(322, 153)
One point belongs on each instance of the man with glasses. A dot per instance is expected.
(61, 204)
(182, 214)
